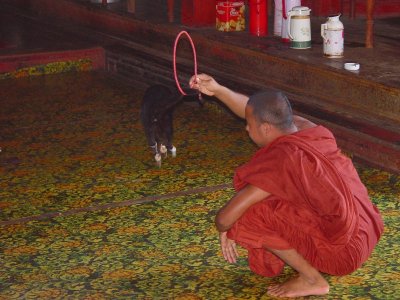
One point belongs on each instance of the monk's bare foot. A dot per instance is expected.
(299, 287)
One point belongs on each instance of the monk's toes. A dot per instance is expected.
(275, 290)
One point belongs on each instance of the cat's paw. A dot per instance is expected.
(157, 158)
(163, 149)
(173, 151)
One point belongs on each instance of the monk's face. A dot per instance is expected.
(256, 130)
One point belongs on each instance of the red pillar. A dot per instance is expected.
(369, 36)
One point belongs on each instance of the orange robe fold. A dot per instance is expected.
(318, 206)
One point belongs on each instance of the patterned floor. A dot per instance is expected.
(85, 213)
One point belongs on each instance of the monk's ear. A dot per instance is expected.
(266, 127)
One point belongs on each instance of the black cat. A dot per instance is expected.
(156, 115)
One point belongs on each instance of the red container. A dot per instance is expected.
(230, 16)
(258, 17)
(198, 12)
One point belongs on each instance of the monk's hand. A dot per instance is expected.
(228, 248)
(204, 83)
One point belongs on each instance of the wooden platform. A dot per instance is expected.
(362, 109)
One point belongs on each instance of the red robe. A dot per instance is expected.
(318, 206)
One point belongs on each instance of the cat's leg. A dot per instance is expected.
(151, 141)
(156, 152)
(151, 135)
(169, 132)
(161, 135)
(157, 155)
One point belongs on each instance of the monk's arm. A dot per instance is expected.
(235, 207)
(235, 101)
(206, 84)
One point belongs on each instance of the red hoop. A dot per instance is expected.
(174, 58)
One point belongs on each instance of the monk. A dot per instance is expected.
(299, 200)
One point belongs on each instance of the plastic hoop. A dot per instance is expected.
(174, 58)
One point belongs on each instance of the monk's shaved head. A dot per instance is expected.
(272, 107)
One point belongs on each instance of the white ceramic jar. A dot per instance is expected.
(332, 33)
